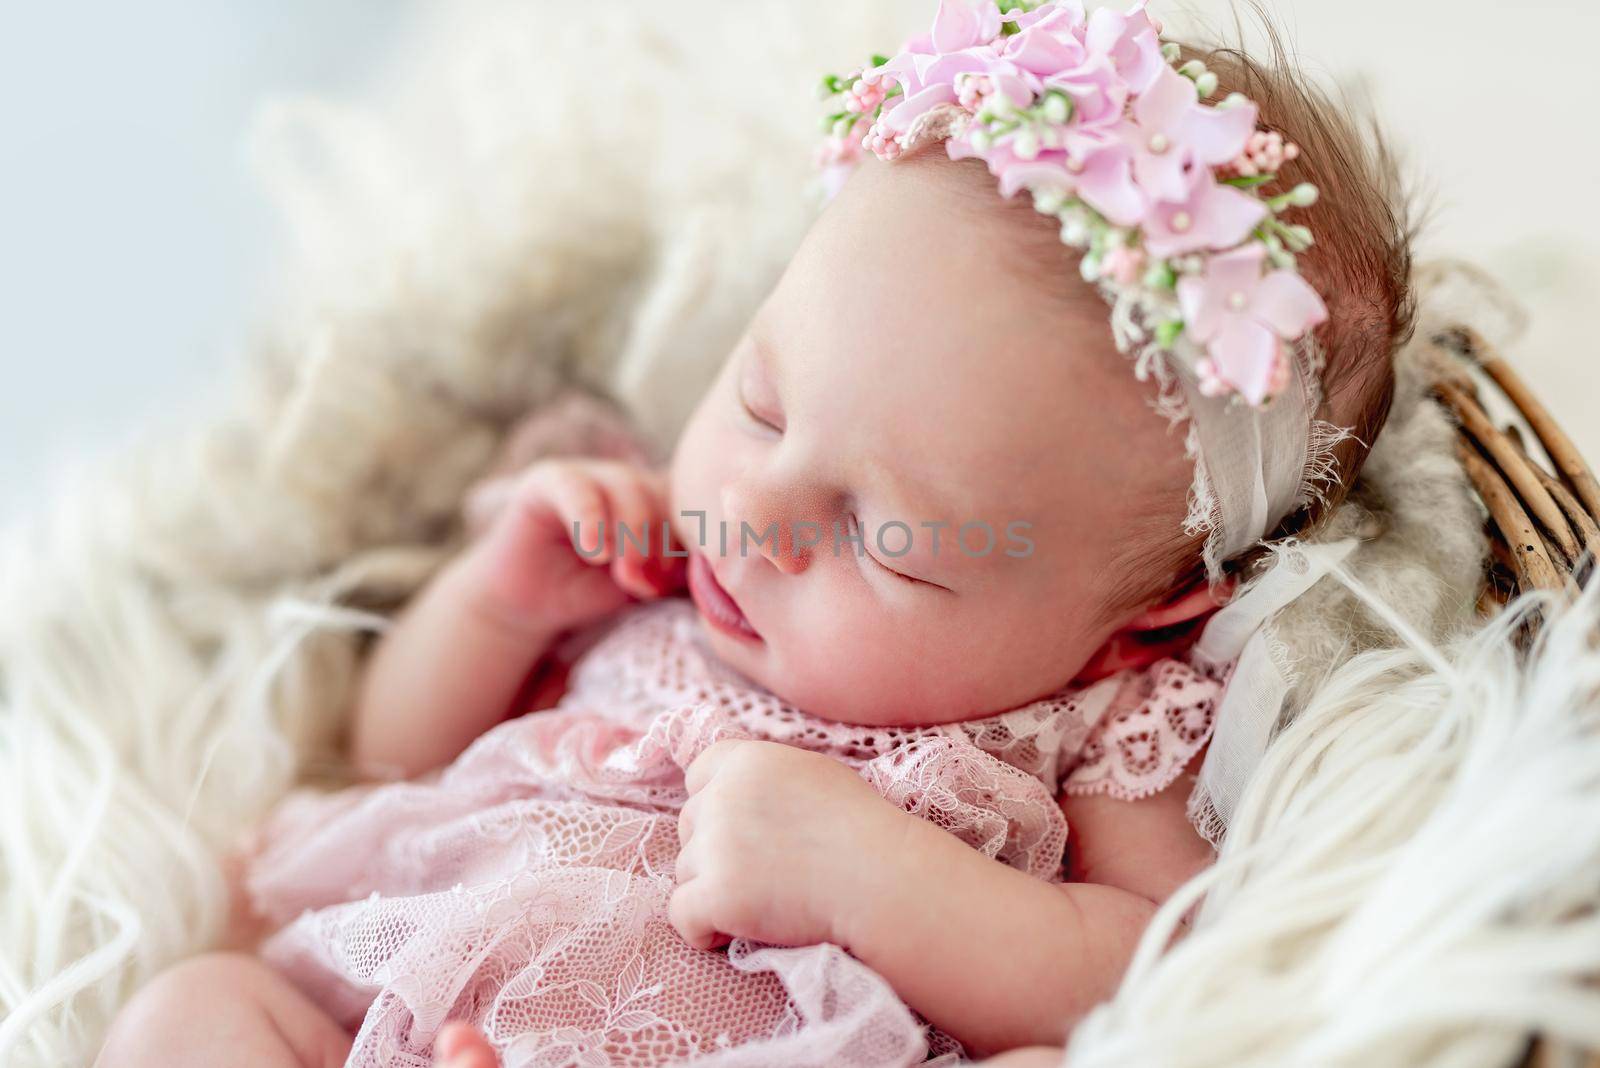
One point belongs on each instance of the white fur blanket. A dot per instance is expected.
(1406, 882)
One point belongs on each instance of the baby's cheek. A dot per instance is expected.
(696, 474)
(870, 665)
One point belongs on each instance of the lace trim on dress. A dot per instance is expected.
(1155, 723)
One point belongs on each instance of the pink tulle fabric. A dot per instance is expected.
(525, 887)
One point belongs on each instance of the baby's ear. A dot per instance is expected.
(1160, 631)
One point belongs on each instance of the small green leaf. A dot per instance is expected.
(1160, 275)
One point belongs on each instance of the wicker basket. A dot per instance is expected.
(1543, 507)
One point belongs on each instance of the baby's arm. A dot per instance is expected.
(452, 665)
(791, 847)
(1000, 959)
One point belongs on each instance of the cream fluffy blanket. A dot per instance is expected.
(1407, 881)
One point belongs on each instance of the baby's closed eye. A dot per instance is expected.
(893, 548)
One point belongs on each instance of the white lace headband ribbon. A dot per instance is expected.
(1241, 634)
(1254, 467)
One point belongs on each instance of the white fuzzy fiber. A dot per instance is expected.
(543, 198)
(1411, 879)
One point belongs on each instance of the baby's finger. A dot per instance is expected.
(686, 866)
(460, 1045)
(637, 520)
(627, 572)
(633, 505)
(686, 820)
(704, 767)
(581, 504)
(664, 573)
(689, 912)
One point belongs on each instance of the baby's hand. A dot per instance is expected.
(780, 845)
(526, 565)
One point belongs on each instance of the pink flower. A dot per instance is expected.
(898, 119)
(1063, 16)
(837, 158)
(1130, 41)
(1098, 94)
(928, 80)
(1101, 178)
(1243, 317)
(961, 24)
(863, 97)
(1047, 47)
(1209, 217)
(836, 151)
(973, 90)
(1104, 180)
(1175, 131)
(882, 143)
(1123, 264)
(1265, 153)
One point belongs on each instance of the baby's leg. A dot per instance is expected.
(223, 1008)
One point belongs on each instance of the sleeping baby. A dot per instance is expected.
(945, 570)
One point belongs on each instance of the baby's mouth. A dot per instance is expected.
(715, 603)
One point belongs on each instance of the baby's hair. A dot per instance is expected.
(1361, 265)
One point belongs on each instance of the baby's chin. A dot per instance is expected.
(750, 659)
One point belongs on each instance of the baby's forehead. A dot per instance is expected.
(981, 369)
(1021, 421)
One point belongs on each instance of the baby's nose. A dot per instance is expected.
(764, 523)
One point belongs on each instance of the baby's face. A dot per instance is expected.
(899, 377)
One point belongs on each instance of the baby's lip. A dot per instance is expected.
(715, 603)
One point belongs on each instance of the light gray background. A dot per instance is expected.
(134, 246)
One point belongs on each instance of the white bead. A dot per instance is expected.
(1075, 166)
(1238, 301)
(1159, 143)
(1182, 221)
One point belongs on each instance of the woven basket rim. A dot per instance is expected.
(1541, 497)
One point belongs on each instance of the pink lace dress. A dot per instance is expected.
(525, 887)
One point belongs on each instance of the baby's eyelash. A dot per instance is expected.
(855, 531)
(756, 418)
(897, 574)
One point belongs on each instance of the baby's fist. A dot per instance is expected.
(566, 542)
(776, 843)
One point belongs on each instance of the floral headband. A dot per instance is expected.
(1162, 191)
